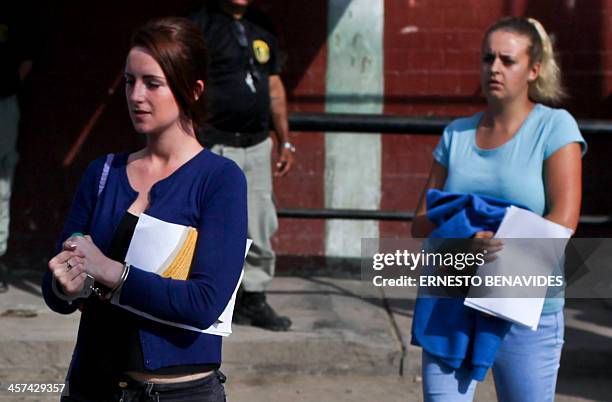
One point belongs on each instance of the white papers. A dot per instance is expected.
(521, 311)
(167, 249)
(519, 223)
(156, 244)
(534, 257)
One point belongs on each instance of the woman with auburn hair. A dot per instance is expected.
(121, 355)
(523, 151)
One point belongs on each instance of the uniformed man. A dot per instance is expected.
(245, 93)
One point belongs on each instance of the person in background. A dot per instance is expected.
(120, 355)
(246, 92)
(15, 65)
(523, 151)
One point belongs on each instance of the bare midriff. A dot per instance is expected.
(167, 378)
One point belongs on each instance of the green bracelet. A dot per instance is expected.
(77, 234)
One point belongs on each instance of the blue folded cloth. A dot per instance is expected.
(458, 335)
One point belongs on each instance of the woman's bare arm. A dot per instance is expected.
(421, 226)
(563, 182)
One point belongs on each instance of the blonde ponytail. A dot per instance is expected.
(547, 88)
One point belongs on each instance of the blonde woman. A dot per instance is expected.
(521, 150)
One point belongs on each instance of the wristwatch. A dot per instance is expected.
(289, 146)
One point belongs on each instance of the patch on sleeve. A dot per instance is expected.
(261, 50)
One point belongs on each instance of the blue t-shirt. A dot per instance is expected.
(513, 171)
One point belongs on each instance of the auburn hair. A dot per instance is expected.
(181, 51)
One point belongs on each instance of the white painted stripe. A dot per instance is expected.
(354, 84)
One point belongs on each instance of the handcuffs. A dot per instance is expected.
(90, 286)
(88, 289)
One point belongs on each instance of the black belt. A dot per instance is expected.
(213, 136)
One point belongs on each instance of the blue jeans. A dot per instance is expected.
(525, 368)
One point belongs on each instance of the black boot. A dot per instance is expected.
(253, 309)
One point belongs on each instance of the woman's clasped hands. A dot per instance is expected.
(80, 258)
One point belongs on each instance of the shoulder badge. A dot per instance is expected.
(261, 50)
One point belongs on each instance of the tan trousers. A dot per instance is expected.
(9, 120)
(255, 162)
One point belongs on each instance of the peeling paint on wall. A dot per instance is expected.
(354, 85)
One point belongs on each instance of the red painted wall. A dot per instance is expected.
(82, 48)
(303, 37)
(431, 53)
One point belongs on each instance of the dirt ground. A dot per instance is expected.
(316, 388)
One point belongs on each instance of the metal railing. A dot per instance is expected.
(405, 125)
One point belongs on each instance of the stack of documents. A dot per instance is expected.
(535, 257)
(167, 249)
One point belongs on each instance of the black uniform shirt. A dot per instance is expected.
(237, 53)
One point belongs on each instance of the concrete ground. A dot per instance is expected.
(348, 343)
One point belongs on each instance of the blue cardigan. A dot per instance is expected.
(444, 327)
(209, 193)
